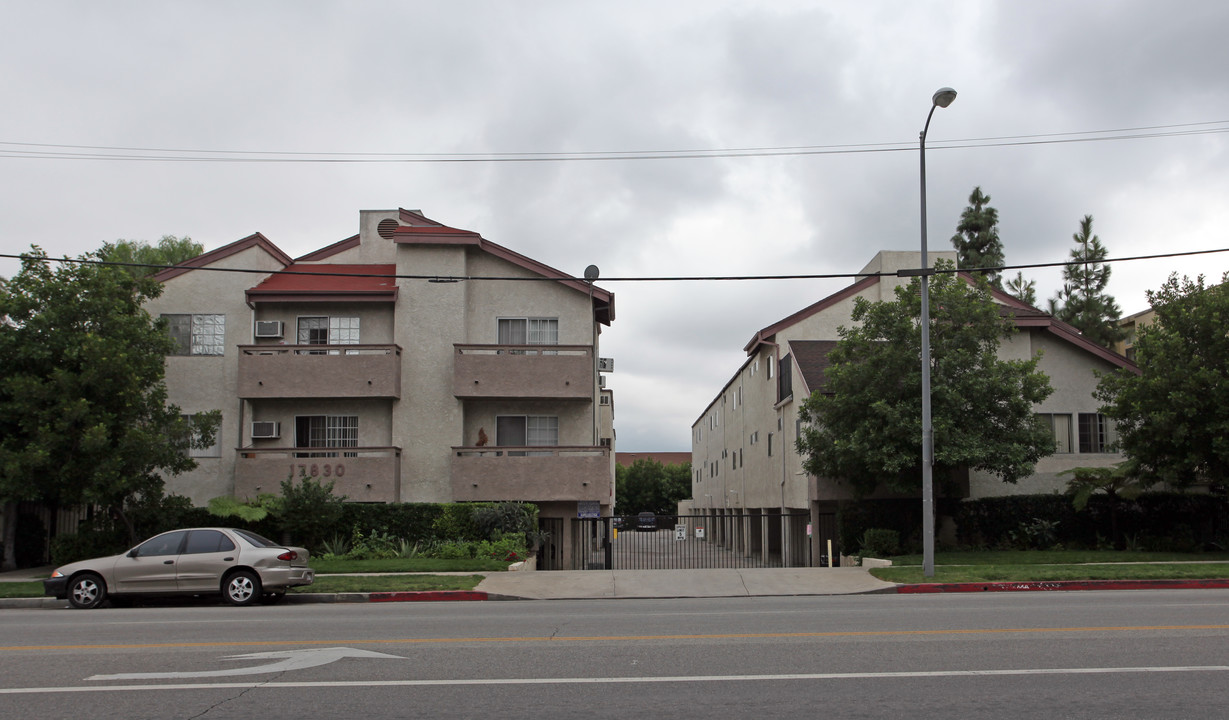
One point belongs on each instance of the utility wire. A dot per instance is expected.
(142, 154)
(675, 278)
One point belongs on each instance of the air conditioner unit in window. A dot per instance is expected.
(268, 328)
(266, 430)
(601, 381)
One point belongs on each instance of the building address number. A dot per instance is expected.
(318, 469)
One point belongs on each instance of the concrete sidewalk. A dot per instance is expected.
(590, 584)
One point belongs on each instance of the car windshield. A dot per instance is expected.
(256, 540)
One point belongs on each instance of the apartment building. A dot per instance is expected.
(746, 470)
(411, 362)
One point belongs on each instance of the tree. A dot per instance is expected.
(136, 254)
(864, 426)
(1082, 302)
(1118, 483)
(1173, 415)
(1023, 290)
(977, 237)
(649, 486)
(83, 411)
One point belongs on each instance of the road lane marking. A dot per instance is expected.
(619, 638)
(291, 660)
(926, 674)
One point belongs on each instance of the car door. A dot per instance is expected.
(205, 557)
(150, 566)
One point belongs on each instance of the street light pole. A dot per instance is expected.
(942, 98)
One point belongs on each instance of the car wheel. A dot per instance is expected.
(272, 598)
(86, 591)
(241, 588)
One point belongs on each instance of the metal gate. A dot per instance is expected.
(679, 542)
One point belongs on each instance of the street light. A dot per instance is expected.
(942, 98)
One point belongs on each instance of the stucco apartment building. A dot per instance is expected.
(746, 470)
(411, 362)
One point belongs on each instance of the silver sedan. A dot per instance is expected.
(241, 566)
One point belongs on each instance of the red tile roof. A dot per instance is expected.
(321, 282)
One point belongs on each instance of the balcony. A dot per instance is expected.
(542, 372)
(531, 473)
(362, 474)
(316, 371)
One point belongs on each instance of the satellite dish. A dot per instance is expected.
(591, 273)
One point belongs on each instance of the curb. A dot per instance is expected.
(1054, 585)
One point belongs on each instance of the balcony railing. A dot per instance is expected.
(315, 371)
(362, 474)
(563, 473)
(548, 372)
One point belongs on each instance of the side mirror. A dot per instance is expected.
(132, 553)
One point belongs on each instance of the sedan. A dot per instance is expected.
(241, 566)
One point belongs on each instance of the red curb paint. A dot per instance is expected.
(1064, 585)
(426, 596)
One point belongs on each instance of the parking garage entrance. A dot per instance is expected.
(679, 542)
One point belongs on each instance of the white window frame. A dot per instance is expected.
(205, 336)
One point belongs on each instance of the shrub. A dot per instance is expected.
(880, 543)
(309, 511)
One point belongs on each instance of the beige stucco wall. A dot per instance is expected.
(757, 482)
(206, 382)
(426, 321)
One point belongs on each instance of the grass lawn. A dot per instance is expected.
(385, 583)
(1057, 557)
(1019, 566)
(30, 589)
(327, 567)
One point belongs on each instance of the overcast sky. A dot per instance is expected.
(480, 77)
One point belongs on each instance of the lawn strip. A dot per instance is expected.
(1019, 573)
(389, 583)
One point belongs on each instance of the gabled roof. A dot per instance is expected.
(1023, 314)
(330, 250)
(421, 230)
(254, 240)
(811, 359)
(328, 283)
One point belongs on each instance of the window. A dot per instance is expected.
(164, 544)
(769, 444)
(1060, 428)
(529, 331)
(1097, 433)
(213, 450)
(207, 541)
(770, 368)
(326, 431)
(785, 383)
(197, 334)
(526, 431)
(328, 331)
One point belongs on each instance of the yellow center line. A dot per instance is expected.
(618, 638)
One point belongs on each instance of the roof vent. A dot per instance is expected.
(386, 228)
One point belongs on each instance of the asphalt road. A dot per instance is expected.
(1147, 654)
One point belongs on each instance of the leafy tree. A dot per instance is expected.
(864, 426)
(1083, 302)
(170, 250)
(1173, 416)
(1023, 290)
(309, 510)
(649, 486)
(1119, 483)
(977, 240)
(83, 412)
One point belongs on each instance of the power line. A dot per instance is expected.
(10, 149)
(676, 278)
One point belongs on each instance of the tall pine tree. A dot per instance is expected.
(1083, 302)
(977, 237)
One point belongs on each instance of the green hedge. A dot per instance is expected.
(1157, 521)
